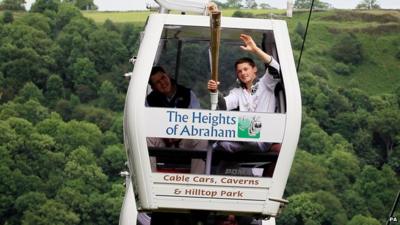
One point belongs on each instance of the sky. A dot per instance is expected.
(126, 5)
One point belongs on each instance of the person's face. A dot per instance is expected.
(161, 83)
(246, 73)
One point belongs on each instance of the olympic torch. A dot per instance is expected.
(215, 25)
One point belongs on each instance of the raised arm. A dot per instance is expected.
(250, 46)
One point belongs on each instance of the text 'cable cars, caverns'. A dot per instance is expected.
(185, 159)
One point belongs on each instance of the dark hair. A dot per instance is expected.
(245, 60)
(154, 70)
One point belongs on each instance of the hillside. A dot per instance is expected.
(378, 31)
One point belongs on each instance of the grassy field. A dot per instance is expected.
(141, 16)
(118, 17)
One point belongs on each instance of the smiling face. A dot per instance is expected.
(162, 83)
(246, 73)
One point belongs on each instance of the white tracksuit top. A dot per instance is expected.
(262, 98)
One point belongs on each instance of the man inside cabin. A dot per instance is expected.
(167, 93)
(251, 96)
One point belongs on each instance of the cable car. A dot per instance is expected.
(162, 178)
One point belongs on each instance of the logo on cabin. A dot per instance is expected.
(249, 127)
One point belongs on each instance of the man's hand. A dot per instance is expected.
(212, 85)
(212, 7)
(249, 44)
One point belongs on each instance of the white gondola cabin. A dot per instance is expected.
(250, 183)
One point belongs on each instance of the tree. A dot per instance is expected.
(348, 49)
(300, 29)
(108, 96)
(302, 210)
(82, 172)
(344, 169)
(308, 175)
(30, 92)
(54, 89)
(251, 4)
(83, 75)
(26, 54)
(109, 25)
(264, 5)
(41, 6)
(363, 220)
(30, 201)
(234, 4)
(74, 134)
(14, 5)
(368, 4)
(314, 139)
(101, 117)
(38, 21)
(113, 160)
(378, 188)
(386, 125)
(106, 49)
(129, 37)
(51, 212)
(242, 14)
(353, 203)
(66, 12)
(8, 16)
(305, 4)
(83, 4)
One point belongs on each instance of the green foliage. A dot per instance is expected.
(300, 29)
(26, 54)
(348, 49)
(108, 95)
(233, 4)
(308, 174)
(381, 124)
(319, 70)
(342, 69)
(106, 49)
(8, 16)
(251, 4)
(66, 12)
(110, 26)
(314, 139)
(64, 108)
(75, 134)
(368, 4)
(30, 92)
(42, 6)
(103, 118)
(51, 212)
(14, 5)
(306, 4)
(344, 169)
(378, 188)
(296, 41)
(113, 160)
(83, 4)
(83, 72)
(130, 37)
(242, 14)
(38, 21)
(363, 220)
(54, 89)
